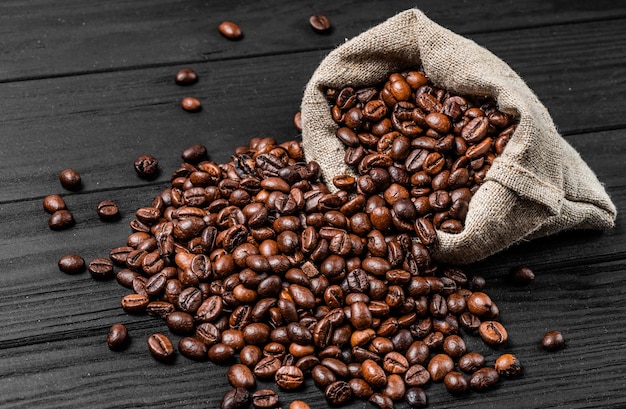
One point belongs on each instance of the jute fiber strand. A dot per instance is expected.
(538, 186)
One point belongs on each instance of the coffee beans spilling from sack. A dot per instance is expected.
(254, 263)
(411, 140)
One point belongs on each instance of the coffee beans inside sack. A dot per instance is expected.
(534, 185)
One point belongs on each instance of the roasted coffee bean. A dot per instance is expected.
(146, 166)
(439, 366)
(471, 362)
(338, 393)
(484, 379)
(553, 341)
(71, 264)
(61, 220)
(373, 373)
(160, 347)
(522, 275)
(52, 203)
(100, 268)
(230, 30)
(493, 333)
(381, 401)
(298, 404)
(455, 382)
(135, 303)
(289, 377)
(193, 348)
(320, 23)
(107, 210)
(70, 179)
(240, 376)
(454, 346)
(479, 303)
(416, 397)
(236, 398)
(117, 338)
(508, 366)
(191, 104)
(264, 399)
(180, 322)
(186, 76)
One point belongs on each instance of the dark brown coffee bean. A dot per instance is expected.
(230, 30)
(479, 303)
(191, 104)
(71, 264)
(194, 154)
(289, 377)
(439, 366)
(416, 397)
(135, 303)
(146, 166)
(264, 399)
(484, 379)
(381, 401)
(240, 376)
(220, 353)
(160, 347)
(508, 366)
(454, 346)
(553, 341)
(186, 76)
(107, 210)
(117, 338)
(373, 373)
(425, 231)
(455, 383)
(61, 220)
(493, 333)
(267, 367)
(193, 348)
(236, 398)
(522, 275)
(320, 23)
(471, 362)
(70, 179)
(180, 322)
(52, 203)
(338, 393)
(100, 268)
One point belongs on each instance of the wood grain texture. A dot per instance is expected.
(89, 85)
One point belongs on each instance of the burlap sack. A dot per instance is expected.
(538, 186)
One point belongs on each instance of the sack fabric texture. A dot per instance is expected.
(538, 186)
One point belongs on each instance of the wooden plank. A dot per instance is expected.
(43, 39)
(99, 123)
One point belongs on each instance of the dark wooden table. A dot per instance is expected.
(89, 85)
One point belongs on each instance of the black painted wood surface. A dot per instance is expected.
(89, 85)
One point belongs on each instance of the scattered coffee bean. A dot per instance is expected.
(191, 104)
(455, 382)
(236, 398)
(160, 347)
(230, 30)
(508, 366)
(52, 203)
(107, 210)
(194, 154)
(299, 404)
(72, 264)
(186, 76)
(146, 166)
(101, 268)
(265, 399)
(61, 220)
(484, 379)
(117, 337)
(522, 275)
(193, 348)
(70, 179)
(297, 121)
(416, 397)
(553, 341)
(240, 376)
(493, 333)
(320, 23)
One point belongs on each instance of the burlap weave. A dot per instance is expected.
(538, 186)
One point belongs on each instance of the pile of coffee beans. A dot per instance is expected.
(411, 140)
(256, 264)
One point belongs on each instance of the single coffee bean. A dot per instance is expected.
(230, 30)
(70, 179)
(236, 398)
(299, 404)
(381, 401)
(61, 220)
(338, 393)
(493, 333)
(240, 376)
(439, 366)
(194, 154)
(193, 348)
(416, 397)
(479, 303)
(146, 166)
(191, 104)
(71, 264)
(107, 210)
(320, 23)
(180, 322)
(508, 366)
(160, 347)
(220, 353)
(264, 399)
(289, 377)
(471, 362)
(455, 382)
(297, 121)
(553, 341)
(373, 373)
(484, 379)
(186, 76)
(52, 203)
(117, 337)
(522, 275)
(100, 268)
